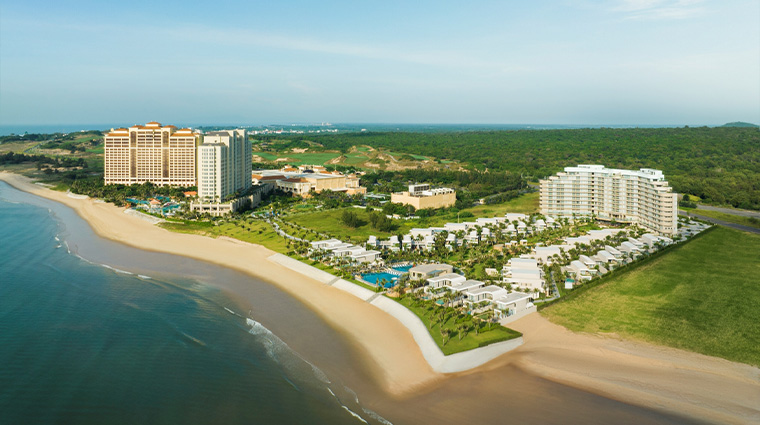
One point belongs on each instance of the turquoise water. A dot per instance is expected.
(92, 344)
(391, 279)
(95, 332)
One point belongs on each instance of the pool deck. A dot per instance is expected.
(458, 362)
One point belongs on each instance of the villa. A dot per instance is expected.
(580, 270)
(444, 280)
(421, 196)
(426, 271)
(523, 272)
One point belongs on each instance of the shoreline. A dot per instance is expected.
(636, 373)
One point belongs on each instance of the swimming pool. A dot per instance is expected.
(391, 278)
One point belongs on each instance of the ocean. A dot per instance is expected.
(87, 340)
(97, 332)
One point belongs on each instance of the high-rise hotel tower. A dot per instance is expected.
(642, 197)
(152, 153)
(224, 164)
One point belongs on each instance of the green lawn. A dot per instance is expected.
(525, 204)
(398, 156)
(328, 221)
(260, 232)
(266, 156)
(470, 339)
(702, 296)
(355, 158)
(731, 218)
(315, 158)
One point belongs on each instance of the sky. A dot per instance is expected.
(597, 62)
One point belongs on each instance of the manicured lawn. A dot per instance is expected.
(525, 204)
(355, 158)
(260, 232)
(398, 156)
(731, 218)
(329, 222)
(470, 339)
(266, 155)
(702, 296)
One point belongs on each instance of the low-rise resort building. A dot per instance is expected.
(421, 196)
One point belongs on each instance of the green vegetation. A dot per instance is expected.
(331, 222)
(740, 124)
(700, 296)
(719, 165)
(253, 231)
(492, 187)
(446, 326)
(731, 218)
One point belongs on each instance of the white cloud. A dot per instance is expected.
(659, 9)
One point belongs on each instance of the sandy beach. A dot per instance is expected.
(665, 379)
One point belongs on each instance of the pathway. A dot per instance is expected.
(721, 222)
(732, 211)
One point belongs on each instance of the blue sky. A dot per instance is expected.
(678, 62)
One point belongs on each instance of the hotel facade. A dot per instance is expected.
(640, 197)
(153, 153)
(224, 164)
(421, 196)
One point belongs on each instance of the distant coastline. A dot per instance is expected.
(6, 130)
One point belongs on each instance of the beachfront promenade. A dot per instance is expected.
(431, 352)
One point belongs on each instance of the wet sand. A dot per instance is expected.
(405, 389)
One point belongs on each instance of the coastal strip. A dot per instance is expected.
(441, 363)
(666, 379)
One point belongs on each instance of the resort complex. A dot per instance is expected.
(306, 179)
(421, 196)
(640, 197)
(153, 153)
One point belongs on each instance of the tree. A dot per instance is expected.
(350, 219)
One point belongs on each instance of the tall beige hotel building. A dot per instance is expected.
(642, 196)
(162, 155)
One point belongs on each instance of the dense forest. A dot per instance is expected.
(720, 165)
(18, 158)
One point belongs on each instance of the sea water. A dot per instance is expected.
(84, 341)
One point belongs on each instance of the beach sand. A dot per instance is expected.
(664, 379)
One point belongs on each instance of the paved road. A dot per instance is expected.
(744, 213)
(721, 222)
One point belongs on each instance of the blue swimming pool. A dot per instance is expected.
(376, 278)
(390, 278)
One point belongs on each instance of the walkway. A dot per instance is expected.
(721, 222)
(743, 213)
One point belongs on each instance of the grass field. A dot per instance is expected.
(260, 232)
(525, 204)
(316, 158)
(399, 155)
(731, 218)
(328, 221)
(702, 296)
(16, 147)
(470, 340)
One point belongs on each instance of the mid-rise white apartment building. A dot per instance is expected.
(642, 197)
(224, 164)
(152, 153)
